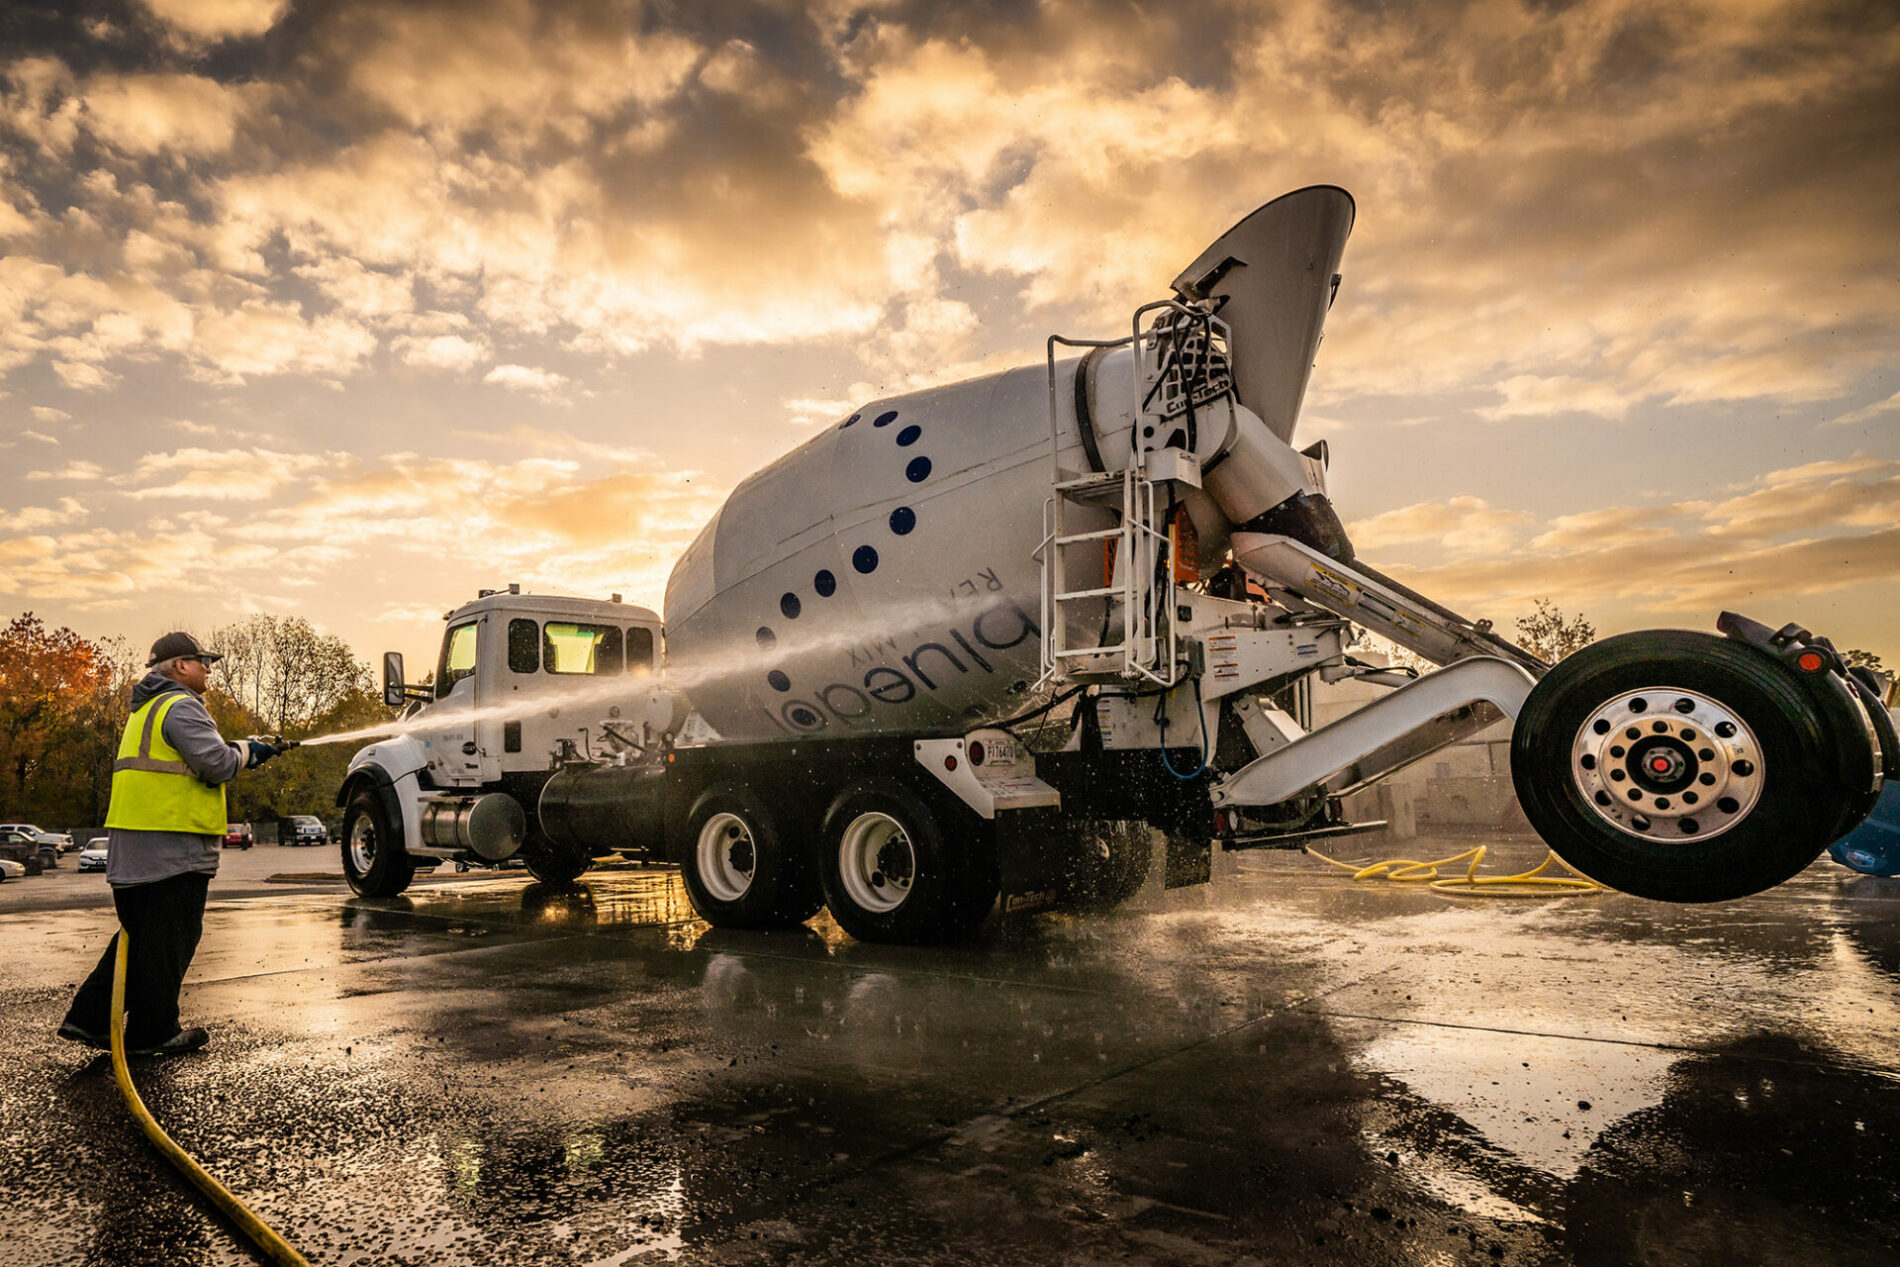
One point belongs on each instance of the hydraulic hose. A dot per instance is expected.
(273, 1245)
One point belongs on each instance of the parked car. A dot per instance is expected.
(93, 856)
(302, 829)
(26, 850)
(50, 842)
(238, 836)
(10, 870)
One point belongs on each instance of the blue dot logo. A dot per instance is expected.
(779, 681)
(903, 519)
(864, 559)
(918, 471)
(885, 419)
(790, 605)
(909, 436)
(825, 583)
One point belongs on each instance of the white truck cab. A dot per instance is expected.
(522, 683)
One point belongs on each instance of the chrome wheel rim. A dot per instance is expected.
(877, 863)
(362, 844)
(728, 857)
(1667, 764)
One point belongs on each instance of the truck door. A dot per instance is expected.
(454, 757)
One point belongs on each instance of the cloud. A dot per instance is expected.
(1527, 395)
(441, 351)
(77, 471)
(35, 518)
(41, 436)
(533, 380)
(1464, 525)
(222, 475)
(213, 20)
(1867, 413)
(46, 413)
(1812, 529)
(188, 116)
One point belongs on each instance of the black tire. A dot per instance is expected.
(1108, 863)
(742, 868)
(556, 866)
(888, 875)
(1726, 817)
(374, 860)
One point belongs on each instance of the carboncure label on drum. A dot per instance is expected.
(961, 668)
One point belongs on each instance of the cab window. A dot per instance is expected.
(567, 647)
(458, 658)
(639, 651)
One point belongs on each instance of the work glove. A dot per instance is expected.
(257, 752)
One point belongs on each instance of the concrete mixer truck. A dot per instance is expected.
(1002, 636)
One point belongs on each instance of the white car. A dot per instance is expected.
(58, 840)
(10, 870)
(93, 856)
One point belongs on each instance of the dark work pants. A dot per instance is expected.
(165, 919)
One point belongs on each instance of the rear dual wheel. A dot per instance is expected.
(741, 868)
(1678, 766)
(889, 875)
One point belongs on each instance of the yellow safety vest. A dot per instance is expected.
(152, 787)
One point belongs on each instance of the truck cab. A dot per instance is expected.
(522, 683)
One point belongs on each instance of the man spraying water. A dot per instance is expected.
(165, 823)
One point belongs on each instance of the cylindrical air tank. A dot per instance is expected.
(882, 577)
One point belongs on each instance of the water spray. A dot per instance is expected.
(734, 657)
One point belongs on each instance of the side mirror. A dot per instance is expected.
(394, 694)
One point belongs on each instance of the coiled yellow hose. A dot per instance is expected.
(275, 1246)
(1532, 883)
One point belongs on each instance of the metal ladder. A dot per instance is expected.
(1143, 576)
(1145, 648)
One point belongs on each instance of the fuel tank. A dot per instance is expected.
(882, 577)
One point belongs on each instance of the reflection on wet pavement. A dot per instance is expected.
(1280, 1067)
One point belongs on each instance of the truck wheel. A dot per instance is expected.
(740, 870)
(1677, 766)
(889, 877)
(374, 861)
(1109, 862)
(556, 866)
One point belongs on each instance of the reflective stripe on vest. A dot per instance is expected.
(152, 787)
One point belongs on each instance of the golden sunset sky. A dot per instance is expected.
(346, 309)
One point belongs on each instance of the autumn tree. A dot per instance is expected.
(49, 679)
(1550, 635)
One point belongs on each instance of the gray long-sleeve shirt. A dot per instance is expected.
(141, 857)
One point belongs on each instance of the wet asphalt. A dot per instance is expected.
(1281, 1067)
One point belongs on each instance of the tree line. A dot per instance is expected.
(64, 700)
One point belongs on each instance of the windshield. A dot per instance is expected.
(305, 820)
(458, 658)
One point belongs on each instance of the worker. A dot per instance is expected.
(165, 826)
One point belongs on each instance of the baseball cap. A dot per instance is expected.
(179, 643)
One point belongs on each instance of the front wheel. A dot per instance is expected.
(1677, 766)
(889, 875)
(741, 869)
(374, 861)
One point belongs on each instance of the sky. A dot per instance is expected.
(344, 310)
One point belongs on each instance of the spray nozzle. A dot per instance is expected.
(277, 741)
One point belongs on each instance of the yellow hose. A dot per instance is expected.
(1532, 883)
(273, 1245)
